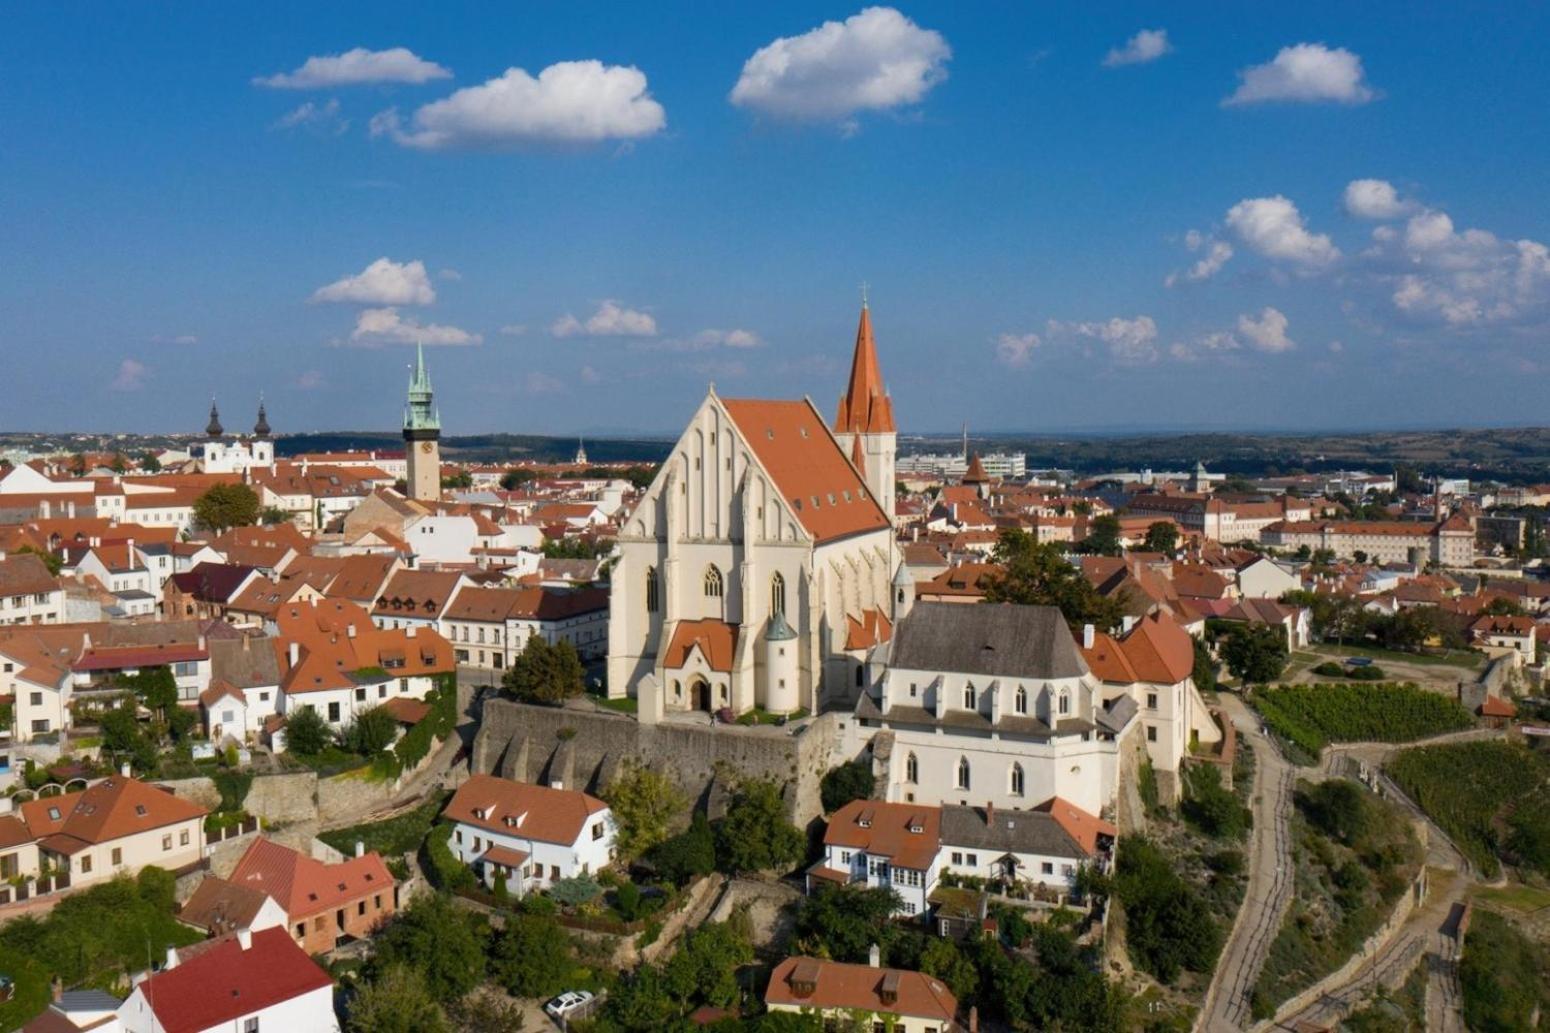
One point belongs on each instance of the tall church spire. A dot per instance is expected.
(865, 408)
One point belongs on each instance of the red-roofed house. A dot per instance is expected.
(530, 835)
(896, 999)
(118, 825)
(323, 903)
(1501, 634)
(1152, 664)
(252, 982)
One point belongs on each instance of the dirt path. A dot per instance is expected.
(1226, 1005)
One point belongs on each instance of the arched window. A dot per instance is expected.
(1020, 701)
(963, 773)
(653, 593)
(911, 770)
(777, 595)
(970, 698)
(1065, 702)
(1017, 780)
(712, 582)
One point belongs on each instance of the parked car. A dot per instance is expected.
(568, 1003)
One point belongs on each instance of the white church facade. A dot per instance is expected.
(757, 570)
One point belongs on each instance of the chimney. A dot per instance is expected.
(349, 629)
(409, 631)
(131, 547)
(1088, 634)
(360, 848)
(245, 939)
(990, 813)
(974, 1018)
(124, 769)
(201, 642)
(295, 652)
(172, 960)
(874, 956)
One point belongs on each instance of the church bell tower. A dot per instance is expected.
(864, 424)
(422, 435)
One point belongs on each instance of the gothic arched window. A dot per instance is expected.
(962, 781)
(653, 593)
(777, 594)
(712, 582)
(1017, 780)
(1065, 702)
(911, 770)
(1020, 701)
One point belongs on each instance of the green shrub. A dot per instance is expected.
(1330, 669)
(849, 781)
(1505, 975)
(443, 868)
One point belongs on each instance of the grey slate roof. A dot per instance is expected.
(1008, 832)
(997, 640)
(1117, 714)
(244, 668)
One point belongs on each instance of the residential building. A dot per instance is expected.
(219, 907)
(1045, 847)
(532, 836)
(1502, 634)
(117, 825)
(248, 982)
(896, 1000)
(883, 845)
(489, 627)
(29, 594)
(323, 903)
(1448, 543)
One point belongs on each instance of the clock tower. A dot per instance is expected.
(422, 435)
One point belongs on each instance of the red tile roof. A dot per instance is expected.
(1081, 826)
(816, 983)
(305, 886)
(226, 983)
(884, 829)
(551, 815)
(112, 809)
(808, 467)
(717, 640)
(865, 407)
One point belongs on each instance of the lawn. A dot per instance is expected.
(1465, 658)
(623, 705)
(331, 761)
(393, 837)
(1520, 898)
(760, 716)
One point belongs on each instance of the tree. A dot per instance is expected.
(704, 970)
(514, 478)
(1255, 653)
(480, 1012)
(1359, 556)
(1168, 924)
(442, 941)
(1162, 536)
(155, 687)
(460, 479)
(644, 802)
(842, 922)
(372, 731)
(51, 561)
(544, 673)
(123, 737)
(852, 780)
(225, 506)
(1502, 606)
(755, 835)
(273, 515)
(1103, 537)
(1037, 574)
(397, 1001)
(306, 733)
(149, 463)
(689, 854)
(576, 890)
(532, 956)
(943, 959)
(1211, 806)
(641, 476)
(1204, 673)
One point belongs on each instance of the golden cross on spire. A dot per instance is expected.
(864, 286)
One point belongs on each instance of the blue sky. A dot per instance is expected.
(1053, 241)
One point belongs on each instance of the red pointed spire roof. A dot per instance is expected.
(857, 453)
(865, 407)
(976, 473)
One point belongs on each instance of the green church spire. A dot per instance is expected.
(420, 413)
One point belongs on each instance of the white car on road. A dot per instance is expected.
(568, 1003)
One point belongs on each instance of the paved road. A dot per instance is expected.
(1270, 880)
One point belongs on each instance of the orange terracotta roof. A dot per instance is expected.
(1156, 650)
(536, 812)
(871, 628)
(716, 640)
(1081, 826)
(808, 467)
(865, 407)
(112, 809)
(1495, 706)
(823, 985)
(885, 829)
(305, 886)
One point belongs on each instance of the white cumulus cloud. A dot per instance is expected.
(1214, 255)
(130, 376)
(318, 118)
(872, 61)
(569, 102)
(610, 320)
(1203, 346)
(383, 282)
(1374, 199)
(1016, 350)
(1146, 45)
(1268, 332)
(1459, 278)
(1128, 340)
(1273, 227)
(1306, 72)
(728, 339)
(378, 326)
(355, 68)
